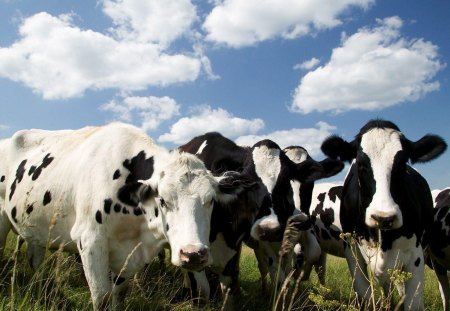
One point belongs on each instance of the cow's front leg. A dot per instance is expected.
(444, 287)
(229, 281)
(94, 256)
(414, 286)
(200, 289)
(358, 271)
(119, 291)
(35, 255)
(5, 227)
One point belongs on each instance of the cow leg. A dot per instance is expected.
(5, 227)
(444, 287)
(94, 256)
(263, 267)
(414, 286)
(199, 285)
(321, 268)
(229, 281)
(35, 255)
(119, 291)
(358, 271)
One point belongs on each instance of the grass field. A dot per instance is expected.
(60, 285)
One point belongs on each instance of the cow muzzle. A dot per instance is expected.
(269, 234)
(384, 222)
(194, 258)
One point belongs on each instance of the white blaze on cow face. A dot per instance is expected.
(381, 146)
(296, 155)
(186, 192)
(267, 167)
(202, 146)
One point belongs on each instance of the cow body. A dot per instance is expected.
(110, 194)
(439, 245)
(259, 216)
(386, 205)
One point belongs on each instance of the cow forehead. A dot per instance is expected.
(186, 175)
(381, 145)
(297, 155)
(267, 165)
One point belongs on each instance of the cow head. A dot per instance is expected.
(302, 191)
(276, 172)
(178, 201)
(380, 155)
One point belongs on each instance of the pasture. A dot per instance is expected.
(60, 285)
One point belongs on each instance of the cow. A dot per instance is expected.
(261, 214)
(317, 234)
(112, 195)
(439, 242)
(267, 254)
(386, 205)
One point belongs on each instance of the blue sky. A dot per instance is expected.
(295, 71)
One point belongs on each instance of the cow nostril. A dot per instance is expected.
(384, 222)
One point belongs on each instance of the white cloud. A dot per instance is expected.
(157, 21)
(59, 60)
(309, 138)
(239, 23)
(205, 119)
(150, 111)
(308, 65)
(371, 70)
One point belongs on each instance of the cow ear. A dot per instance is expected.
(136, 192)
(427, 148)
(232, 184)
(335, 147)
(331, 167)
(308, 171)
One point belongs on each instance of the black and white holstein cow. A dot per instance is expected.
(386, 205)
(267, 255)
(112, 195)
(439, 244)
(262, 212)
(313, 236)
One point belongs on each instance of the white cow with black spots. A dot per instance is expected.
(112, 195)
(386, 205)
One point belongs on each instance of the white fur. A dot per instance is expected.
(381, 145)
(267, 165)
(202, 146)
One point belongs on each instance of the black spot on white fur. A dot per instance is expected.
(45, 162)
(29, 209)
(98, 217)
(47, 198)
(417, 262)
(107, 206)
(116, 174)
(19, 175)
(117, 208)
(14, 214)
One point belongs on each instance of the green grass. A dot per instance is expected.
(60, 285)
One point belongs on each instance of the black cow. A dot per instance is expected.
(261, 214)
(386, 204)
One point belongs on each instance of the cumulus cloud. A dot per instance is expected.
(239, 23)
(309, 64)
(59, 60)
(373, 69)
(149, 111)
(206, 119)
(158, 21)
(309, 138)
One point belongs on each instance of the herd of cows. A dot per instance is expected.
(113, 196)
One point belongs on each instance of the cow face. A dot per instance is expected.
(179, 198)
(279, 175)
(380, 155)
